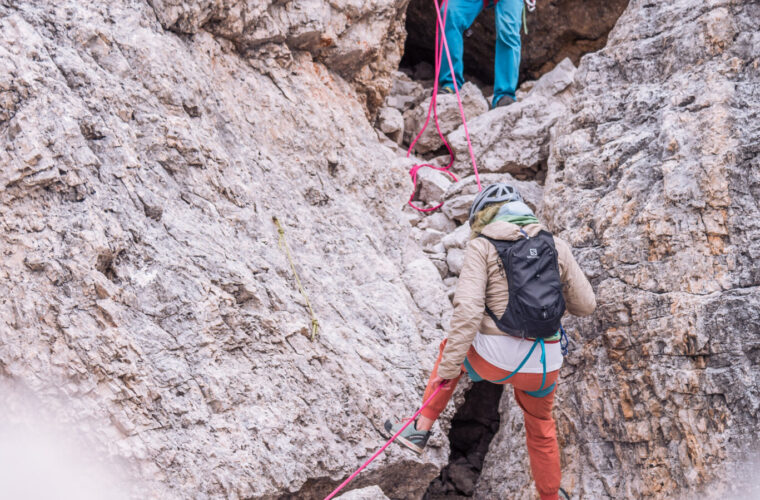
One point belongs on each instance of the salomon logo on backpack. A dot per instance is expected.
(536, 304)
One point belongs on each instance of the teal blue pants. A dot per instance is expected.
(461, 15)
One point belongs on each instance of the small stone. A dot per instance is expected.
(411, 216)
(432, 184)
(458, 207)
(438, 221)
(391, 123)
(457, 238)
(368, 493)
(455, 260)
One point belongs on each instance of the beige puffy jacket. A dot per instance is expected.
(483, 282)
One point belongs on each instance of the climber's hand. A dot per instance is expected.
(436, 381)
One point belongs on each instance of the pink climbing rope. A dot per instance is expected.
(352, 476)
(441, 45)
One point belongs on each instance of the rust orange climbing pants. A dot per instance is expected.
(540, 430)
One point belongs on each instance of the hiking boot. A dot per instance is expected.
(504, 101)
(563, 495)
(411, 438)
(445, 89)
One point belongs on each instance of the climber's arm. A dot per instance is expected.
(469, 304)
(579, 296)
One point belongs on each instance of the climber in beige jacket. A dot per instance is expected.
(476, 345)
(482, 282)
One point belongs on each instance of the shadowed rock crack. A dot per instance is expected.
(472, 429)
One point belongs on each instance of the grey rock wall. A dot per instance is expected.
(360, 41)
(144, 299)
(147, 305)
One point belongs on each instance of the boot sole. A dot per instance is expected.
(410, 445)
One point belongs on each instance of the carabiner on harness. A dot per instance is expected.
(563, 341)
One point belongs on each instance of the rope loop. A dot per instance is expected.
(441, 45)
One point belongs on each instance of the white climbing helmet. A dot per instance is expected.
(495, 193)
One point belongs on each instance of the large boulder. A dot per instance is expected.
(360, 41)
(449, 117)
(515, 138)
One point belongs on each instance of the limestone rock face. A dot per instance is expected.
(556, 30)
(653, 178)
(361, 41)
(146, 298)
(148, 303)
(515, 138)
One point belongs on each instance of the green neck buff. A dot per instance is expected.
(520, 220)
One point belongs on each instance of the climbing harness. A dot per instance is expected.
(441, 45)
(393, 438)
(284, 245)
(540, 392)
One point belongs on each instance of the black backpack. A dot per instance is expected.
(536, 304)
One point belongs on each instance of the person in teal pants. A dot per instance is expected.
(461, 14)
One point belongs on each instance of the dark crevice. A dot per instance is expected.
(557, 29)
(472, 429)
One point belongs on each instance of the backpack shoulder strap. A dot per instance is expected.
(547, 236)
(502, 249)
(549, 239)
(500, 245)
